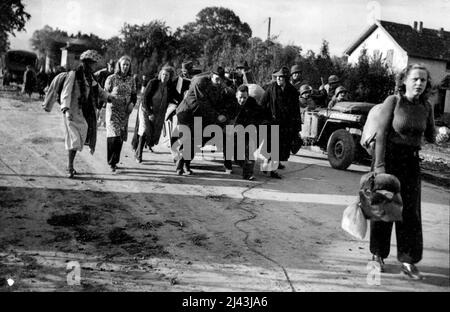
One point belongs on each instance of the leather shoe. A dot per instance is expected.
(281, 166)
(380, 261)
(70, 173)
(411, 270)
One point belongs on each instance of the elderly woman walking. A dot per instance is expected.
(122, 86)
(158, 93)
(79, 97)
(405, 120)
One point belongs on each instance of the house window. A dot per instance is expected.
(389, 57)
(447, 67)
(376, 54)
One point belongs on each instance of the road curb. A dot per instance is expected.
(435, 179)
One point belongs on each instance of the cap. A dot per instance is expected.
(339, 90)
(305, 88)
(218, 70)
(283, 72)
(333, 79)
(295, 69)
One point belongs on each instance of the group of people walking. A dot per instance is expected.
(407, 118)
(38, 82)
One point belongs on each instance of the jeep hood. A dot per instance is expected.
(353, 107)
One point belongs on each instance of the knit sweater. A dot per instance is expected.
(405, 123)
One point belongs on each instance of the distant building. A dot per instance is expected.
(70, 54)
(400, 45)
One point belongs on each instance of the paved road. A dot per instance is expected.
(147, 229)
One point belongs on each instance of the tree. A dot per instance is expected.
(49, 41)
(91, 41)
(370, 80)
(12, 18)
(149, 45)
(113, 48)
(214, 29)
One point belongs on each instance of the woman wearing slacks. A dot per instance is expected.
(121, 85)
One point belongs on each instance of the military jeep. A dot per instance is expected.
(337, 132)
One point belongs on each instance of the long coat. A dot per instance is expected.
(203, 99)
(29, 81)
(82, 129)
(282, 107)
(156, 99)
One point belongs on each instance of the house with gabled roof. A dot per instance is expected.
(400, 45)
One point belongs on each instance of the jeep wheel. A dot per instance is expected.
(341, 149)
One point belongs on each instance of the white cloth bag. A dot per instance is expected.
(353, 221)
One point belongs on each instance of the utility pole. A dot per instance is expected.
(268, 30)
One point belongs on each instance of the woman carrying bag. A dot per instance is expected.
(405, 119)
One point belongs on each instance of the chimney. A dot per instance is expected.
(420, 26)
(415, 25)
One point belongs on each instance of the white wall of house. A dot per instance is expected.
(381, 42)
(437, 68)
(64, 57)
(447, 102)
(438, 72)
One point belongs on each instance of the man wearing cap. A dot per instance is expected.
(307, 103)
(281, 102)
(340, 95)
(203, 99)
(330, 87)
(296, 78)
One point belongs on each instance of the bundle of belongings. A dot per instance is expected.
(379, 197)
(379, 200)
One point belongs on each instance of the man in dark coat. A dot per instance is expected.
(203, 99)
(330, 87)
(104, 73)
(248, 112)
(281, 102)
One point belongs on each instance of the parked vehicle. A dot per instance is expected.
(16, 62)
(338, 132)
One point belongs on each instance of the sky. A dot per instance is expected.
(301, 22)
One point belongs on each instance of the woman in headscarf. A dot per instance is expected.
(121, 85)
(157, 95)
(79, 97)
